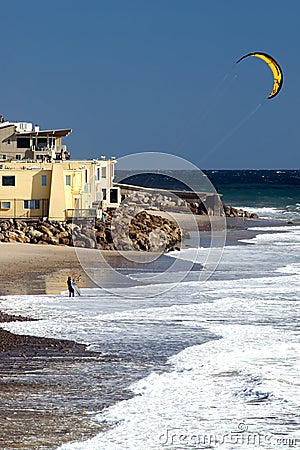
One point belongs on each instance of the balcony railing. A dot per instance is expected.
(42, 148)
(81, 213)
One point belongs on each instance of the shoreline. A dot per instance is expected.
(30, 269)
(39, 376)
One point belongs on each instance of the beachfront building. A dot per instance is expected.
(57, 190)
(22, 140)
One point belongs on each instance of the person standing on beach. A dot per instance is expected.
(70, 287)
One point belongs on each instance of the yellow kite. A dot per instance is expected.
(274, 66)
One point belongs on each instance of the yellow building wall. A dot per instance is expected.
(28, 186)
(77, 183)
(57, 196)
(57, 203)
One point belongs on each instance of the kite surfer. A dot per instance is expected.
(70, 287)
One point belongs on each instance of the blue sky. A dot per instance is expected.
(158, 75)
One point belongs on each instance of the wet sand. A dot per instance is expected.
(28, 269)
(38, 269)
(49, 389)
(43, 401)
(25, 267)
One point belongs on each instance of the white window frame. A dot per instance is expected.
(5, 205)
(32, 204)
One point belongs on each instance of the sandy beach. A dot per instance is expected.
(43, 269)
(31, 366)
(26, 423)
(24, 267)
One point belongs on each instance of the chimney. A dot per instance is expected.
(36, 127)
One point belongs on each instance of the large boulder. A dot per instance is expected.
(153, 233)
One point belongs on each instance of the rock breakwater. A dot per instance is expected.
(145, 232)
(238, 212)
(128, 228)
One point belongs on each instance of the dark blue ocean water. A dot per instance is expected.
(258, 189)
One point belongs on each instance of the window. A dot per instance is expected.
(3, 157)
(86, 175)
(68, 180)
(23, 142)
(103, 172)
(44, 180)
(8, 180)
(98, 173)
(113, 198)
(41, 143)
(8, 141)
(5, 205)
(18, 157)
(31, 204)
(104, 194)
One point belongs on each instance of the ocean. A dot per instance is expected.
(216, 363)
(271, 193)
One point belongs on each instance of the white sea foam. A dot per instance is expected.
(246, 380)
(289, 213)
(278, 236)
(241, 378)
(265, 212)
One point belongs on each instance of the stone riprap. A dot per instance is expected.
(145, 232)
(130, 227)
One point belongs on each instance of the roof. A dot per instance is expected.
(6, 124)
(178, 193)
(57, 133)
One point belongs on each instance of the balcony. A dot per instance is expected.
(42, 148)
(89, 213)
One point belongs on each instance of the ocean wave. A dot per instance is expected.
(289, 213)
